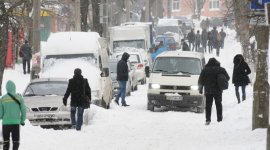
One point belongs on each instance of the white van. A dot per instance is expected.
(174, 81)
(169, 26)
(67, 51)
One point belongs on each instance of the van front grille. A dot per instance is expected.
(45, 109)
(169, 87)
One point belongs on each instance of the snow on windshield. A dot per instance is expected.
(64, 68)
(119, 45)
(132, 49)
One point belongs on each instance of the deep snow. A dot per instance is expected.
(135, 128)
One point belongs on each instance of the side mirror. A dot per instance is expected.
(145, 62)
(151, 49)
(105, 72)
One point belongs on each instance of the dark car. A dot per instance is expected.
(171, 44)
(216, 21)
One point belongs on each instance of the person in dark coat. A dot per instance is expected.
(208, 80)
(26, 55)
(184, 45)
(204, 39)
(207, 22)
(241, 71)
(223, 35)
(218, 43)
(198, 40)
(191, 39)
(75, 88)
(122, 78)
(210, 42)
(214, 33)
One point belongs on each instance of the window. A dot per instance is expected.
(196, 5)
(176, 5)
(214, 4)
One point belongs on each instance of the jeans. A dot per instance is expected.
(205, 49)
(197, 47)
(243, 90)
(15, 134)
(209, 102)
(191, 43)
(210, 49)
(218, 48)
(222, 43)
(122, 91)
(24, 66)
(79, 117)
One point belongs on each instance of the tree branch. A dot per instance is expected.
(15, 5)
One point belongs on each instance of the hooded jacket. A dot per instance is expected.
(191, 37)
(241, 71)
(204, 37)
(210, 39)
(26, 52)
(209, 75)
(75, 88)
(122, 68)
(185, 47)
(10, 111)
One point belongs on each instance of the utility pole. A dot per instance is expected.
(127, 10)
(105, 18)
(36, 26)
(147, 11)
(169, 9)
(77, 15)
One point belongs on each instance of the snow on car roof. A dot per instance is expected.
(167, 22)
(181, 54)
(72, 43)
(49, 79)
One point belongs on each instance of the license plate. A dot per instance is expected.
(44, 116)
(174, 98)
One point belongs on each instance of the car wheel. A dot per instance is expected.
(143, 81)
(136, 88)
(201, 109)
(150, 107)
(103, 103)
(132, 89)
(109, 106)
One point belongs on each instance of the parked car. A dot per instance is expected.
(180, 18)
(44, 104)
(216, 21)
(136, 59)
(132, 83)
(171, 44)
(189, 25)
(174, 81)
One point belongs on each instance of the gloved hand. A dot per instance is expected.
(200, 91)
(22, 124)
(65, 101)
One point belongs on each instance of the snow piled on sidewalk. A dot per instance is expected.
(135, 128)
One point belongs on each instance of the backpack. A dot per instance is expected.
(223, 82)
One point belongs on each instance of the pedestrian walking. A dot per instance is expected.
(223, 35)
(26, 55)
(218, 43)
(13, 114)
(210, 42)
(225, 22)
(184, 45)
(191, 39)
(241, 71)
(77, 87)
(203, 24)
(214, 33)
(207, 22)
(197, 40)
(208, 81)
(204, 40)
(183, 28)
(122, 78)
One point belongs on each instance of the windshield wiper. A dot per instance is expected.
(30, 95)
(160, 70)
(182, 72)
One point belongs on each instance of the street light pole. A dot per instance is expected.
(77, 15)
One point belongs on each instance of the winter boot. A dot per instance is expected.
(6, 145)
(238, 97)
(207, 123)
(16, 145)
(243, 97)
(116, 101)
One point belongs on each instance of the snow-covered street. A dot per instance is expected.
(135, 128)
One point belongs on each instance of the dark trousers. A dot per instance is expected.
(197, 47)
(79, 121)
(218, 49)
(14, 130)
(222, 43)
(24, 66)
(209, 101)
(210, 49)
(191, 43)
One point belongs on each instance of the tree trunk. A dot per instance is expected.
(84, 13)
(4, 21)
(97, 27)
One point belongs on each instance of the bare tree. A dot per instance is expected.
(196, 6)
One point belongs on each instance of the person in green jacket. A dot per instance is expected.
(13, 114)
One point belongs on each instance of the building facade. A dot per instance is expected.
(211, 8)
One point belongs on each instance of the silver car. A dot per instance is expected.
(132, 84)
(44, 104)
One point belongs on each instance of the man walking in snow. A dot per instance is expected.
(122, 78)
(26, 54)
(223, 35)
(13, 114)
(191, 39)
(208, 80)
(198, 40)
(76, 87)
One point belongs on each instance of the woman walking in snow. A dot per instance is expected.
(241, 71)
(210, 42)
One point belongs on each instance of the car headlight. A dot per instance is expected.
(154, 86)
(65, 108)
(194, 87)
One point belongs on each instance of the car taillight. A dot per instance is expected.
(140, 66)
(173, 46)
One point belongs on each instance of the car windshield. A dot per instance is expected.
(113, 66)
(132, 58)
(164, 29)
(51, 60)
(179, 17)
(46, 88)
(119, 45)
(177, 65)
(168, 40)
